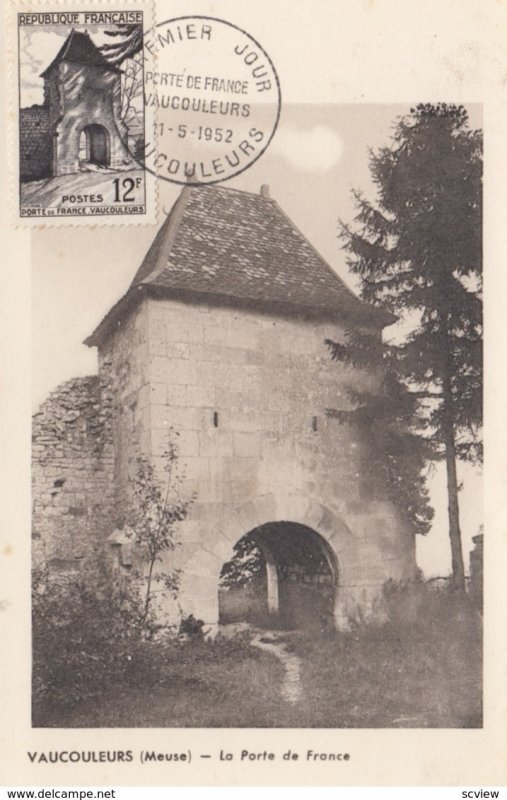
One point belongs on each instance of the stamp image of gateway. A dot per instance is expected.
(82, 116)
(221, 337)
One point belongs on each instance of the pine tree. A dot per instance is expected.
(130, 42)
(418, 252)
(388, 418)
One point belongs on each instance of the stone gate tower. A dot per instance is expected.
(221, 336)
(80, 122)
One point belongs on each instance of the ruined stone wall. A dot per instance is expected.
(72, 473)
(34, 143)
(248, 394)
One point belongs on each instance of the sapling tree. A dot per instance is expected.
(157, 509)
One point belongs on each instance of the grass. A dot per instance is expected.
(420, 668)
(206, 686)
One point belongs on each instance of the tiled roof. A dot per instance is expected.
(79, 48)
(226, 243)
(236, 244)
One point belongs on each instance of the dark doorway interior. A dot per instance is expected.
(94, 145)
(281, 575)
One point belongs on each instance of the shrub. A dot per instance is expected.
(91, 640)
(84, 634)
(417, 665)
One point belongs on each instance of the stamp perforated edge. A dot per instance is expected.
(11, 10)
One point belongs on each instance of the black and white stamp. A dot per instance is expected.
(217, 99)
(82, 118)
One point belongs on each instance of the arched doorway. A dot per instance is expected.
(281, 574)
(94, 147)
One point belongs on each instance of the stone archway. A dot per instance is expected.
(94, 145)
(283, 575)
(217, 528)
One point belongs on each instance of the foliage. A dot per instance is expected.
(245, 566)
(418, 665)
(156, 512)
(91, 631)
(84, 634)
(388, 418)
(130, 42)
(89, 645)
(132, 91)
(418, 252)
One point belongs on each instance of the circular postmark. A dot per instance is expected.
(214, 96)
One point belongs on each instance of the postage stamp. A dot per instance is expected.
(82, 121)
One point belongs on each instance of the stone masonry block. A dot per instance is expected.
(200, 396)
(240, 469)
(267, 508)
(247, 444)
(242, 399)
(206, 352)
(221, 353)
(213, 374)
(157, 394)
(181, 419)
(207, 491)
(246, 340)
(157, 346)
(178, 350)
(244, 421)
(245, 376)
(214, 335)
(197, 468)
(215, 443)
(176, 395)
(180, 371)
(248, 516)
(188, 443)
(176, 332)
(231, 527)
(314, 514)
(298, 505)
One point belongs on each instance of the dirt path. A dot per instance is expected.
(273, 643)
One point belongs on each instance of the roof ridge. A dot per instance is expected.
(166, 235)
(214, 187)
(67, 43)
(324, 261)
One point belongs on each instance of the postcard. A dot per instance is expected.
(250, 535)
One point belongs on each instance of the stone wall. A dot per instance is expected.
(34, 143)
(72, 473)
(124, 366)
(90, 96)
(247, 392)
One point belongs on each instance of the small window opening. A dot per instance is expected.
(215, 419)
(314, 424)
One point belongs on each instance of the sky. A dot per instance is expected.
(38, 46)
(317, 156)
